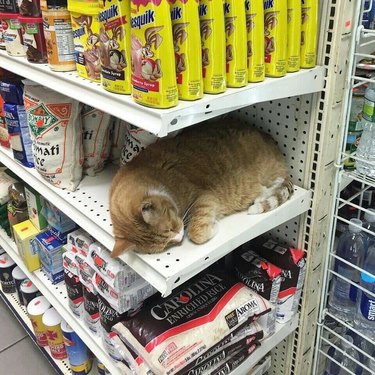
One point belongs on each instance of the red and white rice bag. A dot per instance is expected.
(115, 272)
(56, 133)
(169, 332)
(96, 139)
(79, 241)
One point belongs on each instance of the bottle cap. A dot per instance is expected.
(18, 274)
(370, 217)
(354, 224)
(367, 278)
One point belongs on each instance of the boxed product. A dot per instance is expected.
(34, 207)
(56, 218)
(50, 253)
(4, 135)
(115, 273)
(293, 264)
(24, 235)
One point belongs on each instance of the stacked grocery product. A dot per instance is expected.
(148, 49)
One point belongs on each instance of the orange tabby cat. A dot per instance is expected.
(193, 180)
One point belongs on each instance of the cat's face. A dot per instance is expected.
(149, 225)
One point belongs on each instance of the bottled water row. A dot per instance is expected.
(349, 303)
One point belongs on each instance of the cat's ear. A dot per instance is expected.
(147, 210)
(121, 246)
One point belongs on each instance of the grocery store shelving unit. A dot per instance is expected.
(302, 112)
(60, 366)
(157, 121)
(57, 296)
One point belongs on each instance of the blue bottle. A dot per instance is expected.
(343, 295)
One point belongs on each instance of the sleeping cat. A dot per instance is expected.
(192, 181)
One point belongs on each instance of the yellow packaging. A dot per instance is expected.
(35, 310)
(86, 27)
(294, 36)
(24, 236)
(212, 25)
(153, 63)
(255, 40)
(236, 43)
(275, 31)
(309, 33)
(114, 41)
(186, 38)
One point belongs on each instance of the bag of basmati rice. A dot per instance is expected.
(56, 132)
(119, 130)
(96, 139)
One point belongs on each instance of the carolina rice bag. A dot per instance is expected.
(56, 132)
(96, 140)
(119, 130)
(169, 332)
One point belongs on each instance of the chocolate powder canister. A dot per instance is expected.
(78, 354)
(7, 282)
(52, 321)
(58, 33)
(28, 292)
(35, 309)
(18, 277)
(13, 34)
(33, 39)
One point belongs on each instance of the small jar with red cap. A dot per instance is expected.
(13, 34)
(33, 39)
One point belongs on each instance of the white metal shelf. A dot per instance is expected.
(282, 332)
(158, 121)
(89, 208)
(57, 296)
(61, 366)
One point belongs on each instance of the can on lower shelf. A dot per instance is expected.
(35, 309)
(7, 282)
(78, 354)
(52, 322)
(18, 277)
(28, 292)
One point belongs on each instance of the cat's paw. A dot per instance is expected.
(201, 233)
(255, 209)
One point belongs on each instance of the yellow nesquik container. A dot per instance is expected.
(275, 30)
(309, 33)
(153, 62)
(212, 26)
(236, 43)
(86, 28)
(255, 40)
(114, 42)
(294, 36)
(35, 310)
(186, 39)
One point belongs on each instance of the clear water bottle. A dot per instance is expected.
(366, 150)
(343, 359)
(343, 295)
(368, 110)
(364, 320)
(369, 223)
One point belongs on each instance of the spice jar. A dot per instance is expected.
(58, 35)
(13, 34)
(33, 39)
(29, 8)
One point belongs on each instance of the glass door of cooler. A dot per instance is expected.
(346, 327)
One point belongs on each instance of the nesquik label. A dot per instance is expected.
(153, 63)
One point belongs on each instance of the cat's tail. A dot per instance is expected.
(272, 197)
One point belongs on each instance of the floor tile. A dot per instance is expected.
(11, 330)
(24, 358)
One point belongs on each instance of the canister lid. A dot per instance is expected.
(18, 274)
(6, 261)
(51, 317)
(65, 327)
(38, 306)
(28, 287)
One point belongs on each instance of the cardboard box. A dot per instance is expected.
(34, 207)
(24, 236)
